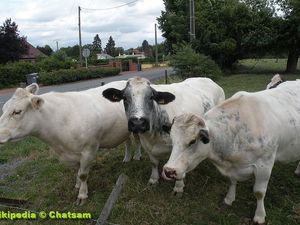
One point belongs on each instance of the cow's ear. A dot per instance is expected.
(163, 98)
(33, 88)
(112, 94)
(37, 102)
(203, 135)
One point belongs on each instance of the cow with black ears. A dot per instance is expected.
(149, 108)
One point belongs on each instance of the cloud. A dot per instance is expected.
(45, 22)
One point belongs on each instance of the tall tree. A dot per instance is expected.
(146, 48)
(110, 47)
(97, 48)
(290, 31)
(47, 50)
(12, 46)
(71, 51)
(226, 30)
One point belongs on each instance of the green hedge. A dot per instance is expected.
(71, 75)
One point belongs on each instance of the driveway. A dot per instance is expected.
(151, 74)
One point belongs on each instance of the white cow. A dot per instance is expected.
(148, 111)
(74, 124)
(242, 136)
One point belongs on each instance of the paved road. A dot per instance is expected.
(152, 75)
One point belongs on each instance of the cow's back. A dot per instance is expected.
(87, 116)
(194, 95)
(262, 121)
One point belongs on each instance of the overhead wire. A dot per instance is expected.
(115, 7)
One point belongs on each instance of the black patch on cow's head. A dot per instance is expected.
(163, 98)
(113, 94)
(204, 136)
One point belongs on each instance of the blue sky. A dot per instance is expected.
(47, 21)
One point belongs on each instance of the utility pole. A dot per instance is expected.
(192, 20)
(56, 45)
(156, 52)
(80, 45)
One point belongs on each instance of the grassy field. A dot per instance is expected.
(30, 172)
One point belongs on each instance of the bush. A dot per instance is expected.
(14, 73)
(188, 63)
(71, 75)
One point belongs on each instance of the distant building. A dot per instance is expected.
(135, 53)
(104, 56)
(32, 54)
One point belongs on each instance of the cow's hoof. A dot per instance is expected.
(177, 194)
(80, 201)
(258, 221)
(297, 175)
(152, 182)
(137, 158)
(223, 206)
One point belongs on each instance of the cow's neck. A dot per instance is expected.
(159, 118)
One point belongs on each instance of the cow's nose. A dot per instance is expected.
(138, 124)
(169, 173)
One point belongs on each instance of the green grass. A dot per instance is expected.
(48, 185)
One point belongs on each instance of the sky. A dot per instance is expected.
(45, 22)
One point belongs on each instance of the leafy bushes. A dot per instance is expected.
(71, 75)
(188, 63)
(14, 73)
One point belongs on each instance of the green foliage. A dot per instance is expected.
(12, 46)
(71, 75)
(56, 61)
(225, 30)
(14, 73)
(110, 47)
(72, 52)
(47, 50)
(188, 63)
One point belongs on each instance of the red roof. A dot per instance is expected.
(32, 52)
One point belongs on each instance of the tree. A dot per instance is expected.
(119, 51)
(12, 46)
(147, 49)
(226, 30)
(110, 47)
(47, 50)
(97, 48)
(289, 31)
(71, 51)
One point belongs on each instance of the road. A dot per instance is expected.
(151, 74)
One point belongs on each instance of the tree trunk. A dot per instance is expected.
(292, 62)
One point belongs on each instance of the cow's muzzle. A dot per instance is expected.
(138, 125)
(169, 173)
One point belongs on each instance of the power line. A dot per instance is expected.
(119, 6)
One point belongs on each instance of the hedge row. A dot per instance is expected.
(71, 75)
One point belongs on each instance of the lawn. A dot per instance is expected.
(31, 173)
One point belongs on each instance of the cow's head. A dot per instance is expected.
(140, 102)
(190, 138)
(275, 81)
(19, 114)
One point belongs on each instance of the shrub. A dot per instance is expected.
(71, 75)
(14, 73)
(188, 63)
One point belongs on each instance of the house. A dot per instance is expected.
(104, 56)
(135, 54)
(32, 53)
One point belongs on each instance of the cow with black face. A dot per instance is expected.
(149, 108)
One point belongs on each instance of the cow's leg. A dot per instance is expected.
(127, 156)
(138, 151)
(154, 174)
(230, 197)
(262, 174)
(297, 171)
(178, 188)
(85, 163)
(78, 182)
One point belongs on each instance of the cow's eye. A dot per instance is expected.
(192, 142)
(17, 112)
